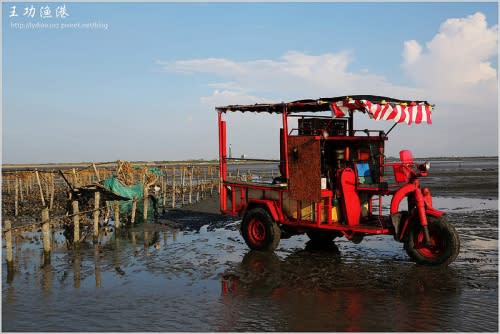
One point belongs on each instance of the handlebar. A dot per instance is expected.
(404, 172)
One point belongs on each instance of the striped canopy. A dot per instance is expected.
(407, 112)
(377, 107)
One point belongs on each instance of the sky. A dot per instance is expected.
(139, 81)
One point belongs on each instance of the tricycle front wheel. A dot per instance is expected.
(444, 246)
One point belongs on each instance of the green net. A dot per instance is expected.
(134, 191)
(114, 185)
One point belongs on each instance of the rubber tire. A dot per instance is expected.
(260, 231)
(449, 245)
(323, 236)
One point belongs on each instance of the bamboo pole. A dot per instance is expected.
(30, 183)
(183, 178)
(117, 214)
(191, 185)
(16, 198)
(205, 183)
(21, 195)
(52, 191)
(46, 236)
(164, 189)
(96, 172)
(134, 209)
(97, 201)
(145, 206)
(47, 189)
(212, 172)
(107, 213)
(198, 187)
(75, 179)
(173, 188)
(76, 223)
(40, 187)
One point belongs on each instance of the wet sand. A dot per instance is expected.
(193, 272)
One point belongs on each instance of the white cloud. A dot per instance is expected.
(412, 51)
(296, 75)
(453, 70)
(455, 63)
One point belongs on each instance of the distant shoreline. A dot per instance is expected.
(65, 165)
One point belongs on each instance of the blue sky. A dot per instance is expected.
(145, 88)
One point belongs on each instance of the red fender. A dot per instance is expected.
(428, 211)
(399, 195)
(434, 212)
(271, 207)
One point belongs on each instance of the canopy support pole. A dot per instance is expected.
(392, 127)
(351, 123)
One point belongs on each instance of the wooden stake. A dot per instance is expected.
(47, 189)
(134, 209)
(40, 187)
(21, 196)
(212, 172)
(164, 189)
(191, 185)
(96, 172)
(183, 178)
(97, 201)
(117, 214)
(145, 207)
(46, 236)
(30, 183)
(173, 188)
(16, 198)
(75, 179)
(52, 191)
(107, 213)
(76, 223)
(198, 185)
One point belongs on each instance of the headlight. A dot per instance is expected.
(425, 166)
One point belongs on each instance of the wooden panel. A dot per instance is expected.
(305, 168)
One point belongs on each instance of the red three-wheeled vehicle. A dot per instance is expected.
(333, 178)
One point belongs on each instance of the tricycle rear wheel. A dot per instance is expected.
(259, 230)
(445, 243)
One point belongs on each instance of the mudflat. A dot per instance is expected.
(192, 271)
